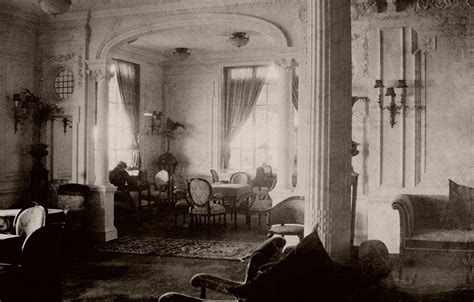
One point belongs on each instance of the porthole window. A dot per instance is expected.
(64, 84)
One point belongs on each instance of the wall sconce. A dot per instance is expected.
(392, 107)
(156, 120)
(67, 123)
(21, 107)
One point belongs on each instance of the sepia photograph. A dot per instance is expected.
(237, 150)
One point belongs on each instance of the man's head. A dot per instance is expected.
(122, 165)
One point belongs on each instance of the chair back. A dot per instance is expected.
(29, 219)
(215, 176)
(162, 178)
(288, 211)
(180, 187)
(240, 178)
(72, 199)
(72, 196)
(41, 264)
(200, 192)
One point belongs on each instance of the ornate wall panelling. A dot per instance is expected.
(443, 107)
(444, 4)
(190, 98)
(18, 38)
(417, 153)
(63, 141)
(388, 64)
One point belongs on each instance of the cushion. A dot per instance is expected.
(215, 210)
(306, 271)
(460, 208)
(71, 202)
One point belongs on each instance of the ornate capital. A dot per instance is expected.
(444, 4)
(289, 64)
(100, 69)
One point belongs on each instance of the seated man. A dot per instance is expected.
(120, 178)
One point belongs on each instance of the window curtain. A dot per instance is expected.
(128, 78)
(242, 88)
(294, 88)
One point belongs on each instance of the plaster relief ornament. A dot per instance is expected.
(445, 4)
(55, 7)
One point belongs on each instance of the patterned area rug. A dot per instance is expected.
(187, 248)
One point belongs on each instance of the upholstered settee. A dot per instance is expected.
(423, 225)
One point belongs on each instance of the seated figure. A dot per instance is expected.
(120, 178)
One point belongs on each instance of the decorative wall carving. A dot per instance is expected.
(444, 4)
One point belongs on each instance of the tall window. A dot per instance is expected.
(120, 131)
(256, 140)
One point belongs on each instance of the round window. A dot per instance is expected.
(64, 84)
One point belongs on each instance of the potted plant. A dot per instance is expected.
(170, 131)
(41, 113)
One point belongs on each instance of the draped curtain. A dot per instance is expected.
(242, 88)
(294, 88)
(128, 78)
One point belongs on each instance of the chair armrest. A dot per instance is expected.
(177, 297)
(403, 205)
(214, 283)
(419, 211)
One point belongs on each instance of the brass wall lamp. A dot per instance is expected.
(392, 107)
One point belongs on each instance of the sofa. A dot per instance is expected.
(423, 227)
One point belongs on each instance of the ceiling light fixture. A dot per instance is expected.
(239, 39)
(181, 53)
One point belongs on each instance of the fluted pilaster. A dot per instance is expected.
(326, 161)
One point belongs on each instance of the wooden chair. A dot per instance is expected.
(37, 276)
(180, 192)
(215, 177)
(240, 178)
(200, 196)
(72, 199)
(262, 203)
(29, 219)
(287, 217)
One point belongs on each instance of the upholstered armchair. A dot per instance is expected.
(306, 271)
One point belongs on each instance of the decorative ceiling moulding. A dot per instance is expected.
(444, 4)
(101, 8)
(235, 57)
(147, 27)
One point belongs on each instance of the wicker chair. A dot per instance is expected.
(287, 217)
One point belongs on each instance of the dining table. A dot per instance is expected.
(232, 193)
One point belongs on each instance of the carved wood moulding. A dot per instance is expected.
(444, 4)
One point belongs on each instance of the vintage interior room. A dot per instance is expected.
(146, 145)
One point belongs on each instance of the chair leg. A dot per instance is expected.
(209, 225)
(259, 219)
(225, 224)
(203, 293)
